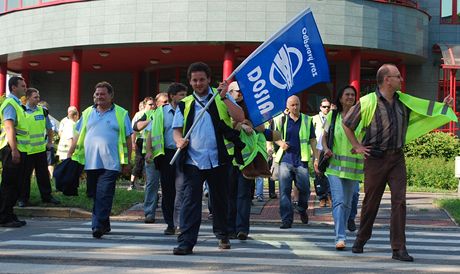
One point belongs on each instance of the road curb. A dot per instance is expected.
(53, 212)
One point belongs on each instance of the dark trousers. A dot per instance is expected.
(101, 186)
(168, 185)
(139, 159)
(12, 180)
(239, 201)
(39, 162)
(390, 168)
(190, 216)
(271, 183)
(271, 187)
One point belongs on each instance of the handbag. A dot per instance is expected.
(67, 176)
(323, 162)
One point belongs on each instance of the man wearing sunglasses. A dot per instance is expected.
(322, 189)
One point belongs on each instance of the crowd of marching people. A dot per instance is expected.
(345, 144)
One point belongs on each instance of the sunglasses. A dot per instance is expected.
(326, 106)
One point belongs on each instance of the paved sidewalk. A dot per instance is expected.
(420, 211)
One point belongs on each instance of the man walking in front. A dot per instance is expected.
(103, 146)
(322, 187)
(293, 156)
(389, 119)
(206, 156)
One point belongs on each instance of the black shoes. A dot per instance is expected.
(224, 244)
(357, 247)
(170, 230)
(11, 224)
(97, 233)
(242, 236)
(351, 225)
(51, 200)
(15, 218)
(182, 251)
(285, 225)
(303, 217)
(402, 255)
(272, 196)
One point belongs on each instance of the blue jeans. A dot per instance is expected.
(239, 204)
(342, 193)
(301, 178)
(354, 204)
(260, 187)
(101, 184)
(152, 184)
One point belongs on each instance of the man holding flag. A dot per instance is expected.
(299, 63)
(206, 155)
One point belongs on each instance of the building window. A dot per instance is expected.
(12, 4)
(450, 11)
(27, 3)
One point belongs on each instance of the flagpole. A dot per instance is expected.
(201, 114)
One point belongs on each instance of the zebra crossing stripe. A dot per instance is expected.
(251, 247)
(296, 231)
(342, 264)
(131, 235)
(69, 268)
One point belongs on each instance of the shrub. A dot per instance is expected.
(431, 173)
(434, 144)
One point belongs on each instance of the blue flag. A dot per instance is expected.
(290, 61)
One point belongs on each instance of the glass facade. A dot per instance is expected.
(11, 5)
(450, 11)
(28, 3)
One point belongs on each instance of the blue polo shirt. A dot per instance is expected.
(9, 112)
(168, 117)
(101, 141)
(292, 154)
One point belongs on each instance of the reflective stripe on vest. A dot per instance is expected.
(22, 130)
(223, 115)
(255, 143)
(36, 122)
(304, 138)
(120, 113)
(343, 163)
(424, 116)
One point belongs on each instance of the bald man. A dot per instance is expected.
(293, 156)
